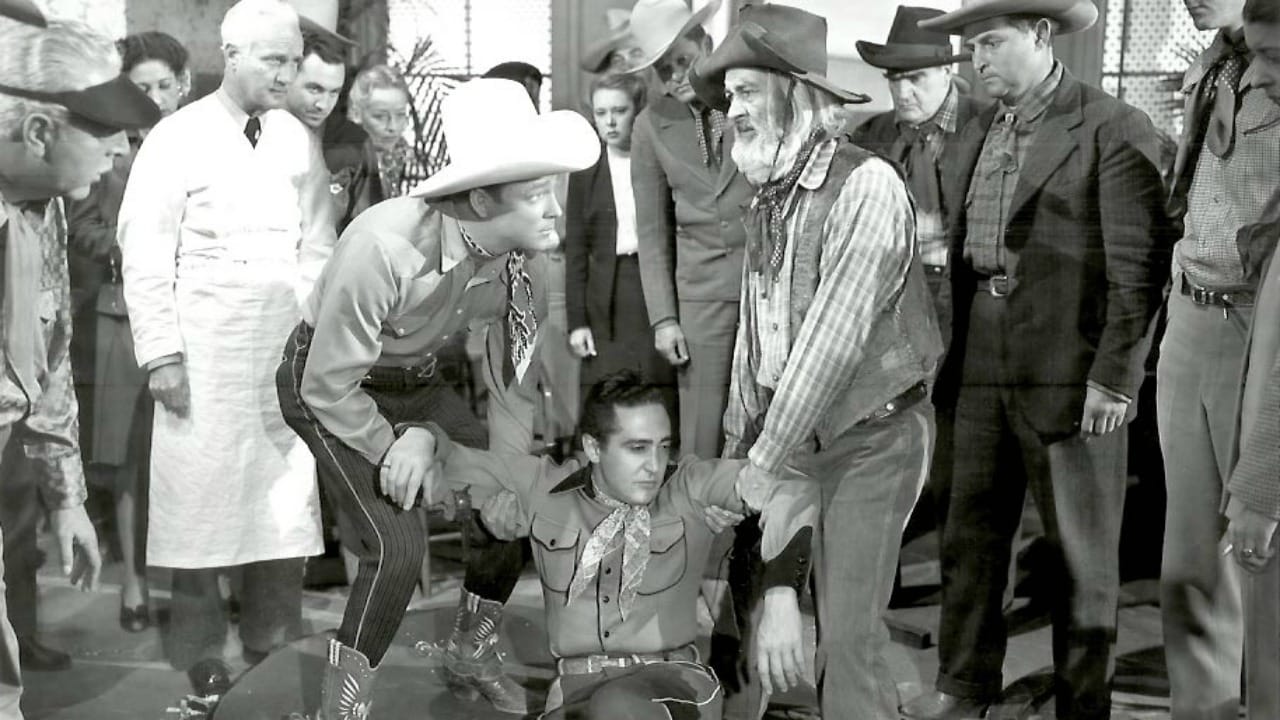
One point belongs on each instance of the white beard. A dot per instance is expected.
(760, 158)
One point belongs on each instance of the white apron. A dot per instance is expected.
(212, 230)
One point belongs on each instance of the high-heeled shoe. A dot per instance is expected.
(135, 619)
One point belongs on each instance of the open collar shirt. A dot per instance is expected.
(37, 400)
(931, 232)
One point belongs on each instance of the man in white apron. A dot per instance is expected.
(59, 133)
(225, 225)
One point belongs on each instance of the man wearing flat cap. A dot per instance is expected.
(929, 108)
(1057, 271)
(836, 347)
(60, 133)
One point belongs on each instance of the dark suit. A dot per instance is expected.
(603, 291)
(689, 221)
(1090, 235)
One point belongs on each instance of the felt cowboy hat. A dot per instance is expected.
(111, 106)
(657, 24)
(23, 11)
(495, 135)
(909, 47)
(321, 18)
(773, 37)
(1071, 15)
(595, 59)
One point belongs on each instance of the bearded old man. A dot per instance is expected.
(226, 223)
(837, 342)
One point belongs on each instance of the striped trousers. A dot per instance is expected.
(388, 541)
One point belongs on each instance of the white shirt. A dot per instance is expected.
(624, 202)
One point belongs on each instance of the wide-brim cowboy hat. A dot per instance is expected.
(320, 17)
(657, 24)
(495, 135)
(111, 106)
(1071, 15)
(772, 37)
(910, 47)
(595, 59)
(24, 11)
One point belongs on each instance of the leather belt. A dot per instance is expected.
(997, 286)
(590, 664)
(382, 377)
(904, 400)
(1240, 297)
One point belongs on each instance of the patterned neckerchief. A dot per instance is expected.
(768, 212)
(522, 315)
(626, 526)
(391, 164)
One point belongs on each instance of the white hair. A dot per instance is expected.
(245, 21)
(64, 56)
(377, 77)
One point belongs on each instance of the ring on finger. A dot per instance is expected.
(1247, 552)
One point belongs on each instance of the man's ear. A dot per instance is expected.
(482, 203)
(591, 447)
(230, 55)
(1044, 31)
(39, 132)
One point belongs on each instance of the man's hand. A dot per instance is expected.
(78, 543)
(1103, 413)
(582, 343)
(780, 641)
(668, 339)
(501, 515)
(1252, 535)
(719, 519)
(169, 386)
(754, 486)
(409, 466)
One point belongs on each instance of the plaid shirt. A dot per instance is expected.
(869, 239)
(1227, 194)
(45, 423)
(930, 225)
(996, 175)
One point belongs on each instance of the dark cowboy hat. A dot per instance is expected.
(1071, 15)
(773, 37)
(113, 105)
(909, 47)
(23, 11)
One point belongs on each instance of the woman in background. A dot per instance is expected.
(115, 406)
(379, 103)
(609, 326)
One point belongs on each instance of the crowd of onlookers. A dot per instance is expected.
(1049, 238)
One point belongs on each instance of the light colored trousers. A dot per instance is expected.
(1197, 391)
(871, 477)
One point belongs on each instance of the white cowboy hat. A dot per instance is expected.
(495, 135)
(657, 24)
(1071, 15)
(320, 17)
(596, 57)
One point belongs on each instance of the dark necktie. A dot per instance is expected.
(920, 164)
(1220, 135)
(253, 130)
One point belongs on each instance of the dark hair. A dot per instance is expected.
(329, 51)
(630, 83)
(623, 389)
(1262, 11)
(152, 45)
(521, 72)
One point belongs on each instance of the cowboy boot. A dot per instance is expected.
(472, 666)
(347, 690)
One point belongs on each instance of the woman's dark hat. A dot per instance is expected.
(771, 37)
(909, 47)
(24, 11)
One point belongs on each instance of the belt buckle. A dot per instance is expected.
(423, 372)
(998, 286)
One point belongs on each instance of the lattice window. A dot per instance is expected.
(1148, 46)
(438, 44)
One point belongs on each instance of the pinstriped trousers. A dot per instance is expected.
(389, 542)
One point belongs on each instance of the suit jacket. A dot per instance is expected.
(689, 221)
(590, 248)
(1093, 241)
